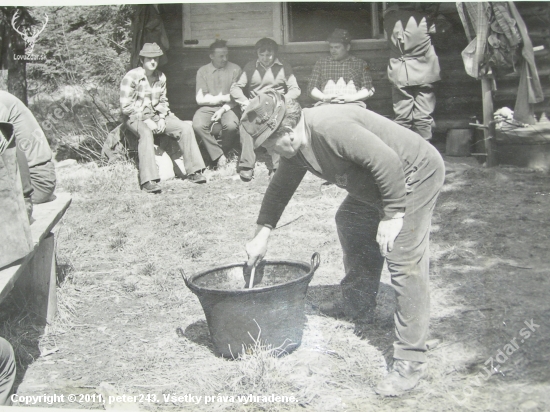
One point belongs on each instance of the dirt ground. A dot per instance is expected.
(122, 299)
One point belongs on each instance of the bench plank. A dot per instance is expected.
(39, 274)
(47, 215)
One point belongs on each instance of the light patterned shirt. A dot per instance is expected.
(139, 100)
(340, 76)
(217, 81)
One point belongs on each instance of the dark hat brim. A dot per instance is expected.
(279, 114)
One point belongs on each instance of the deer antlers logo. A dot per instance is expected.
(29, 34)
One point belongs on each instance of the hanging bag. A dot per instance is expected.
(15, 233)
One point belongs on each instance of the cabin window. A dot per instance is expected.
(241, 24)
(315, 21)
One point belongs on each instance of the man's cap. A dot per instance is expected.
(263, 116)
(339, 36)
(151, 50)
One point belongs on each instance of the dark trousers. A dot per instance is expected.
(408, 262)
(248, 157)
(38, 181)
(230, 130)
(413, 107)
(175, 129)
(7, 371)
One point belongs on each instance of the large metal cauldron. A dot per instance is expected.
(270, 314)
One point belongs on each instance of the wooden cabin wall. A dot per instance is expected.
(458, 95)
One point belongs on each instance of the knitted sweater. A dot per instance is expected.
(374, 159)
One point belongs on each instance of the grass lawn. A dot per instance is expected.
(122, 298)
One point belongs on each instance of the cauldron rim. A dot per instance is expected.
(200, 290)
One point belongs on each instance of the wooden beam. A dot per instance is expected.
(488, 120)
(277, 17)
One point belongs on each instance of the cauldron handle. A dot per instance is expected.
(182, 273)
(315, 261)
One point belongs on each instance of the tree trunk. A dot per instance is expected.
(17, 81)
(17, 73)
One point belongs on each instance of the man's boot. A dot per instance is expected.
(404, 376)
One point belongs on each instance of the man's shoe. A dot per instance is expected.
(221, 162)
(151, 187)
(404, 376)
(197, 177)
(246, 175)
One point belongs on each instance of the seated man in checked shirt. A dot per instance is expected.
(340, 77)
(146, 113)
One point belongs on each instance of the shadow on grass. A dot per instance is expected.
(380, 334)
(198, 333)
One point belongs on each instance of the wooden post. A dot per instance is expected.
(488, 121)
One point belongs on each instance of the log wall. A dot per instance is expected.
(458, 95)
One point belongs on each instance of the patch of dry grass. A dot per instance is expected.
(126, 317)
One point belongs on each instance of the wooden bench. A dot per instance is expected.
(37, 271)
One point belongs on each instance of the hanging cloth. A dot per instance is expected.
(529, 90)
(147, 27)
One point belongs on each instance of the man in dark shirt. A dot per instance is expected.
(393, 178)
(340, 77)
(214, 82)
(412, 69)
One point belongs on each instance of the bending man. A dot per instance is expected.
(393, 178)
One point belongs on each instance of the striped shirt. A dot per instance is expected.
(139, 100)
(340, 76)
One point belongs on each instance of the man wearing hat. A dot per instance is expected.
(340, 78)
(393, 178)
(412, 69)
(146, 113)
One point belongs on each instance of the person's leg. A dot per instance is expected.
(230, 131)
(7, 371)
(408, 264)
(357, 225)
(247, 160)
(201, 127)
(403, 104)
(184, 135)
(43, 181)
(148, 170)
(424, 106)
